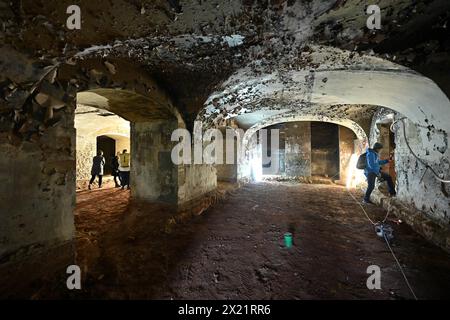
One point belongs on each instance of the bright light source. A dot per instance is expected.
(354, 176)
(351, 171)
(256, 167)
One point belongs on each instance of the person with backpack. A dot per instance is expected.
(124, 168)
(371, 164)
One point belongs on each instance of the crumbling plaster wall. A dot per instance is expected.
(178, 44)
(324, 81)
(416, 187)
(37, 163)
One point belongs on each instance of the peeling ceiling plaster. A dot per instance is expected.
(192, 47)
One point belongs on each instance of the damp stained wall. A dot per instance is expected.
(195, 181)
(298, 149)
(416, 187)
(37, 190)
(154, 177)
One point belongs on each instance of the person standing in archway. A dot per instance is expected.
(124, 168)
(98, 162)
(115, 170)
(373, 171)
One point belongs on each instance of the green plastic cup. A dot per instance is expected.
(288, 239)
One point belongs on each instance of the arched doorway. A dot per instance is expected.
(108, 146)
(325, 151)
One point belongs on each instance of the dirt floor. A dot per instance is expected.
(235, 250)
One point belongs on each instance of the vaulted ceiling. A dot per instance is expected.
(192, 47)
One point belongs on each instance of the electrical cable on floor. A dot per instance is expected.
(400, 267)
(361, 207)
(387, 213)
(427, 167)
(387, 242)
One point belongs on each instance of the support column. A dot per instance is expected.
(154, 177)
(37, 191)
(37, 176)
(298, 149)
(37, 162)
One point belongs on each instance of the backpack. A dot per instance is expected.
(362, 161)
(124, 160)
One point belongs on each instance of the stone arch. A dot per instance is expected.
(90, 124)
(106, 83)
(39, 141)
(352, 125)
(244, 171)
(323, 82)
(123, 88)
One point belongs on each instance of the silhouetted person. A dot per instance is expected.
(98, 162)
(115, 170)
(373, 171)
(124, 168)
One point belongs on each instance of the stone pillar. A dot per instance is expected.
(194, 181)
(37, 191)
(298, 149)
(37, 162)
(154, 177)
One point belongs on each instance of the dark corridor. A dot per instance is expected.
(108, 146)
(325, 149)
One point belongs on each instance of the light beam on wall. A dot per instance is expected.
(256, 167)
(354, 176)
(351, 183)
